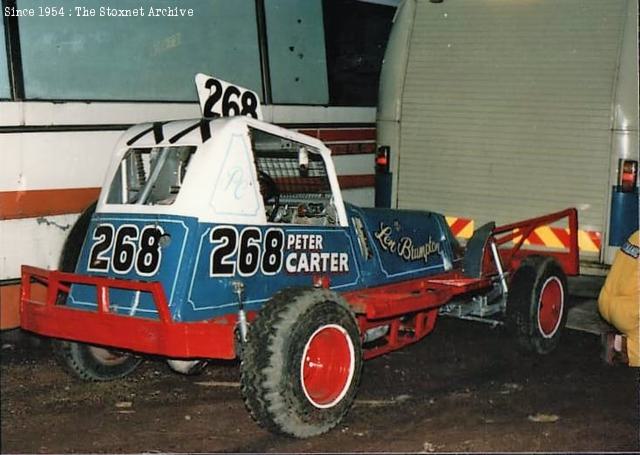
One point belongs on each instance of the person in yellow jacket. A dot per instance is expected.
(619, 300)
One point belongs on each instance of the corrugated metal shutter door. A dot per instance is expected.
(507, 108)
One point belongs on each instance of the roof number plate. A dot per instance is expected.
(219, 98)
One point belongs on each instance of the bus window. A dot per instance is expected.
(297, 62)
(356, 34)
(103, 57)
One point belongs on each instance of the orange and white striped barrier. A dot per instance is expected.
(553, 237)
(461, 227)
(546, 236)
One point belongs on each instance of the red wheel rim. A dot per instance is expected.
(550, 307)
(327, 366)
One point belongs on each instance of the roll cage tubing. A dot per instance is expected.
(570, 260)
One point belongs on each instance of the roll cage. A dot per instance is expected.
(227, 170)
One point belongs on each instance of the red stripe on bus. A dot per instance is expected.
(312, 133)
(354, 148)
(35, 203)
(350, 134)
(356, 181)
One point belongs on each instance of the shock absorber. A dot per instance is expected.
(496, 259)
(238, 288)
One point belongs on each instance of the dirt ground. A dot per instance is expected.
(463, 388)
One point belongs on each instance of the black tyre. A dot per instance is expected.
(536, 305)
(302, 362)
(73, 243)
(93, 363)
(88, 362)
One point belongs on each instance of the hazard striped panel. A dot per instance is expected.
(553, 237)
(461, 227)
(544, 236)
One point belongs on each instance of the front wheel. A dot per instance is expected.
(536, 305)
(93, 363)
(301, 364)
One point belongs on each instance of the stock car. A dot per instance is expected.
(227, 237)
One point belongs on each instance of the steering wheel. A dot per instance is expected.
(270, 192)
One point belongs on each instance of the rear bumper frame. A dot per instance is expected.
(214, 338)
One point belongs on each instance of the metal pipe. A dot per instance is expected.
(136, 303)
(159, 164)
(13, 50)
(493, 322)
(496, 259)
(263, 47)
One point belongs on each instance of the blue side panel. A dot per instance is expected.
(295, 253)
(174, 260)
(624, 216)
(406, 244)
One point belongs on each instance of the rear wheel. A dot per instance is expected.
(536, 305)
(85, 361)
(302, 363)
(93, 363)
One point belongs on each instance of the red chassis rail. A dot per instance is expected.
(208, 339)
(409, 308)
(420, 298)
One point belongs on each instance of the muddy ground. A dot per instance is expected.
(463, 388)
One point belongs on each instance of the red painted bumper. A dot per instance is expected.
(207, 339)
